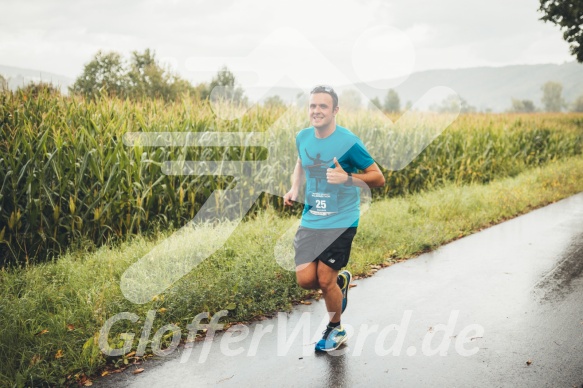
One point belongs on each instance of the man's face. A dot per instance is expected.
(321, 111)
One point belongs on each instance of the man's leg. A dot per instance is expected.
(316, 275)
(307, 276)
(327, 279)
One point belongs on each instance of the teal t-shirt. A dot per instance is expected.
(327, 205)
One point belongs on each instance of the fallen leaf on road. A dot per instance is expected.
(226, 378)
(529, 362)
(88, 383)
(137, 371)
(352, 285)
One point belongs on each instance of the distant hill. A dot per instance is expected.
(486, 88)
(492, 87)
(17, 77)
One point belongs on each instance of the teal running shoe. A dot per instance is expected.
(347, 276)
(332, 339)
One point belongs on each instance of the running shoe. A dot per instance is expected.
(332, 339)
(347, 277)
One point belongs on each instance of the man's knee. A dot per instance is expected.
(327, 283)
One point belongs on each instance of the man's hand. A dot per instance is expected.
(336, 175)
(297, 181)
(290, 197)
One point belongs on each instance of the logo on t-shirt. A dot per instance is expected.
(322, 200)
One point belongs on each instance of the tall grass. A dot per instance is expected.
(51, 313)
(66, 175)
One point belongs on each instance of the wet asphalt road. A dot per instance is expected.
(470, 314)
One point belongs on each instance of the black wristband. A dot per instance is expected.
(349, 181)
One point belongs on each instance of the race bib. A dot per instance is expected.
(323, 204)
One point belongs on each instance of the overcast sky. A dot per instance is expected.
(300, 42)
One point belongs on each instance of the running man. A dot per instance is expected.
(332, 206)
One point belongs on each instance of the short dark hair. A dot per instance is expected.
(328, 90)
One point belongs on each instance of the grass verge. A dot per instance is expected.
(50, 314)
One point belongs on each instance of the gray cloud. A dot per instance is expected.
(61, 35)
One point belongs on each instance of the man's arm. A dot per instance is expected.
(297, 182)
(370, 176)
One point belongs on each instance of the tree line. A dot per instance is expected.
(142, 76)
(552, 101)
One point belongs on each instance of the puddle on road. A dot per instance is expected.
(556, 283)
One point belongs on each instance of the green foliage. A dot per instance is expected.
(3, 84)
(577, 105)
(375, 103)
(522, 106)
(474, 149)
(108, 74)
(50, 314)
(39, 89)
(453, 103)
(392, 103)
(105, 73)
(404, 226)
(66, 174)
(466, 108)
(273, 102)
(567, 14)
(223, 87)
(552, 96)
(148, 78)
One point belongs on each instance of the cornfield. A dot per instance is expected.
(67, 172)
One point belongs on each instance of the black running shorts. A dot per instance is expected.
(331, 246)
